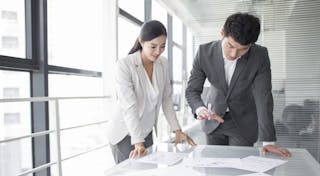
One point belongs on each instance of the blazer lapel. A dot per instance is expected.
(242, 62)
(140, 69)
(219, 67)
(157, 76)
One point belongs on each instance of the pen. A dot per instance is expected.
(209, 109)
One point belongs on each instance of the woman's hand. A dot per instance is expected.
(181, 136)
(138, 151)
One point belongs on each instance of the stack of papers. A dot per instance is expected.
(167, 158)
(211, 162)
(259, 164)
(251, 163)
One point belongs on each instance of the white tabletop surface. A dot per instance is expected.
(300, 164)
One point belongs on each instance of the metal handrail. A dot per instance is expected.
(85, 152)
(36, 169)
(84, 125)
(42, 133)
(37, 99)
(27, 136)
(57, 130)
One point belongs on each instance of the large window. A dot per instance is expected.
(70, 65)
(79, 40)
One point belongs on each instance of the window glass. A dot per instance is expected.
(177, 30)
(88, 110)
(11, 118)
(177, 64)
(12, 30)
(15, 121)
(73, 86)
(190, 52)
(177, 78)
(15, 157)
(159, 13)
(127, 35)
(134, 8)
(76, 39)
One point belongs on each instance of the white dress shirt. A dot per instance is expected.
(229, 67)
(152, 97)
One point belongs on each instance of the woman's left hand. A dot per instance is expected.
(181, 136)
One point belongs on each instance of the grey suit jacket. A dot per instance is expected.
(248, 97)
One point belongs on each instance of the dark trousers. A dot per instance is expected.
(227, 133)
(121, 150)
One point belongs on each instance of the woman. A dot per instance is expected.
(142, 86)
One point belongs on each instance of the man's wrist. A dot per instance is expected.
(140, 144)
(199, 109)
(264, 143)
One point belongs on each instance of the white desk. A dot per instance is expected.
(300, 164)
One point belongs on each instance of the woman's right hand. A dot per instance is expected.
(138, 151)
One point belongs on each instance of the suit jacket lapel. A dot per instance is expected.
(242, 62)
(219, 67)
(140, 69)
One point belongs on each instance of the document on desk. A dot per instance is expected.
(211, 162)
(259, 164)
(167, 158)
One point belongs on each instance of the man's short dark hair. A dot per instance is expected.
(242, 27)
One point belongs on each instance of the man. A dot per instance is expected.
(240, 104)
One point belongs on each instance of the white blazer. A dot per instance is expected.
(131, 92)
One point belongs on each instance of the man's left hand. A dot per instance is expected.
(274, 149)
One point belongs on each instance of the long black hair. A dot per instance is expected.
(149, 30)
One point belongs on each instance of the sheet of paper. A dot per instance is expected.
(211, 162)
(167, 158)
(174, 170)
(256, 174)
(259, 164)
